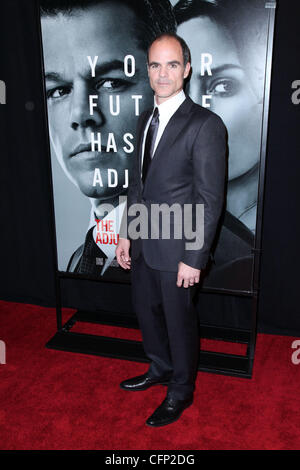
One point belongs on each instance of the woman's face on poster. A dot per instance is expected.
(231, 94)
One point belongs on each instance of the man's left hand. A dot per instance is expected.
(188, 275)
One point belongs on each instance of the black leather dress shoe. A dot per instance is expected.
(169, 411)
(142, 382)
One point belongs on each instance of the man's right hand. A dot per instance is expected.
(122, 253)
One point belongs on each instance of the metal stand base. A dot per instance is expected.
(209, 361)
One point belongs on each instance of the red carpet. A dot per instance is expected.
(61, 400)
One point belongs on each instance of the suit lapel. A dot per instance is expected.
(172, 130)
(140, 136)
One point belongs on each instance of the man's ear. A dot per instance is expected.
(187, 70)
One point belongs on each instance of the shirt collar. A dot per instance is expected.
(170, 106)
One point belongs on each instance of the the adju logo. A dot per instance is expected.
(2, 352)
(2, 92)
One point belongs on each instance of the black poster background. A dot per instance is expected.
(230, 35)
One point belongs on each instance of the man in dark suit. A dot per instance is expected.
(181, 150)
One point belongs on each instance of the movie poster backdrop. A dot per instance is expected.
(96, 83)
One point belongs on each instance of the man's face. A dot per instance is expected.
(232, 96)
(68, 41)
(166, 69)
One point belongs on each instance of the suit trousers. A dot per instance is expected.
(169, 326)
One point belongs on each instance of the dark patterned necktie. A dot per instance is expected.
(149, 143)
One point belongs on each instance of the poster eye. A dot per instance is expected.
(108, 84)
(111, 84)
(58, 92)
(224, 88)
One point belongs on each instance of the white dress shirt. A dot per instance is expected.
(166, 111)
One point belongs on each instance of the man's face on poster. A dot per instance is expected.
(68, 40)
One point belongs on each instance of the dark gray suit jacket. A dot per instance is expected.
(188, 167)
